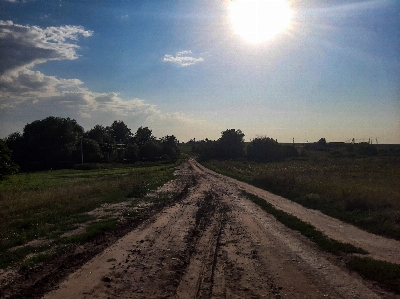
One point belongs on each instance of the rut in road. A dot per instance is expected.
(213, 243)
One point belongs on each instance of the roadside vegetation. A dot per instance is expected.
(363, 191)
(325, 243)
(65, 173)
(357, 183)
(386, 274)
(38, 210)
(60, 143)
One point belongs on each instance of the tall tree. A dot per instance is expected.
(52, 141)
(151, 150)
(91, 151)
(16, 143)
(231, 144)
(170, 146)
(99, 134)
(143, 135)
(120, 132)
(102, 137)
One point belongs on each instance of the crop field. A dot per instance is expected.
(43, 206)
(361, 191)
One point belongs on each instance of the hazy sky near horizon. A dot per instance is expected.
(178, 67)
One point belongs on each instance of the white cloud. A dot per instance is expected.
(183, 58)
(27, 95)
(25, 46)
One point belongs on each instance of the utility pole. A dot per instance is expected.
(82, 149)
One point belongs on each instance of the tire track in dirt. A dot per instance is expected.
(379, 247)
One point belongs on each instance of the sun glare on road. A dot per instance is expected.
(260, 20)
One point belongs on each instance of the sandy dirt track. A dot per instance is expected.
(213, 243)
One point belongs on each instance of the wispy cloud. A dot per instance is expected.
(183, 58)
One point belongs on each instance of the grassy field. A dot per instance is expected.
(45, 205)
(361, 191)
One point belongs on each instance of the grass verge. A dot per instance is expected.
(325, 243)
(385, 274)
(45, 205)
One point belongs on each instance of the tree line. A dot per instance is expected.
(56, 142)
(231, 146)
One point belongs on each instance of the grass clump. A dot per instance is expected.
(92, 231)
(139, 190)
(385, 273)
(325, 243)
(35, 259)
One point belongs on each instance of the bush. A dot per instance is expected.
(265, 149)
(7, 166)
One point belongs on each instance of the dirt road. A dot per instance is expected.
(213, 243)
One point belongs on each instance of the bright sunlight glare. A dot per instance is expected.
(260, 20)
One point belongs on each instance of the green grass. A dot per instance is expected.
(47, 204)
(361, 191)
(16, 255)
(325, 243)
(386, 274)
(92, 231)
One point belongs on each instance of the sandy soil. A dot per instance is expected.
(213, 243)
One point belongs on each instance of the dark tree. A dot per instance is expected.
(120, 132)
(102, 136)
(142, 136)
(99, 134)
(132, 152)
(264, 149)
(52, 142)
(151, 150)
(16, 143)
(322, 142)
(205, 149)
(7, 166)
(170, 147)
(91, 151)
(231, 144)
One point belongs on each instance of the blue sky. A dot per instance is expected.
(179, 68)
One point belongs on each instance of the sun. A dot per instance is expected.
(260, 20)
